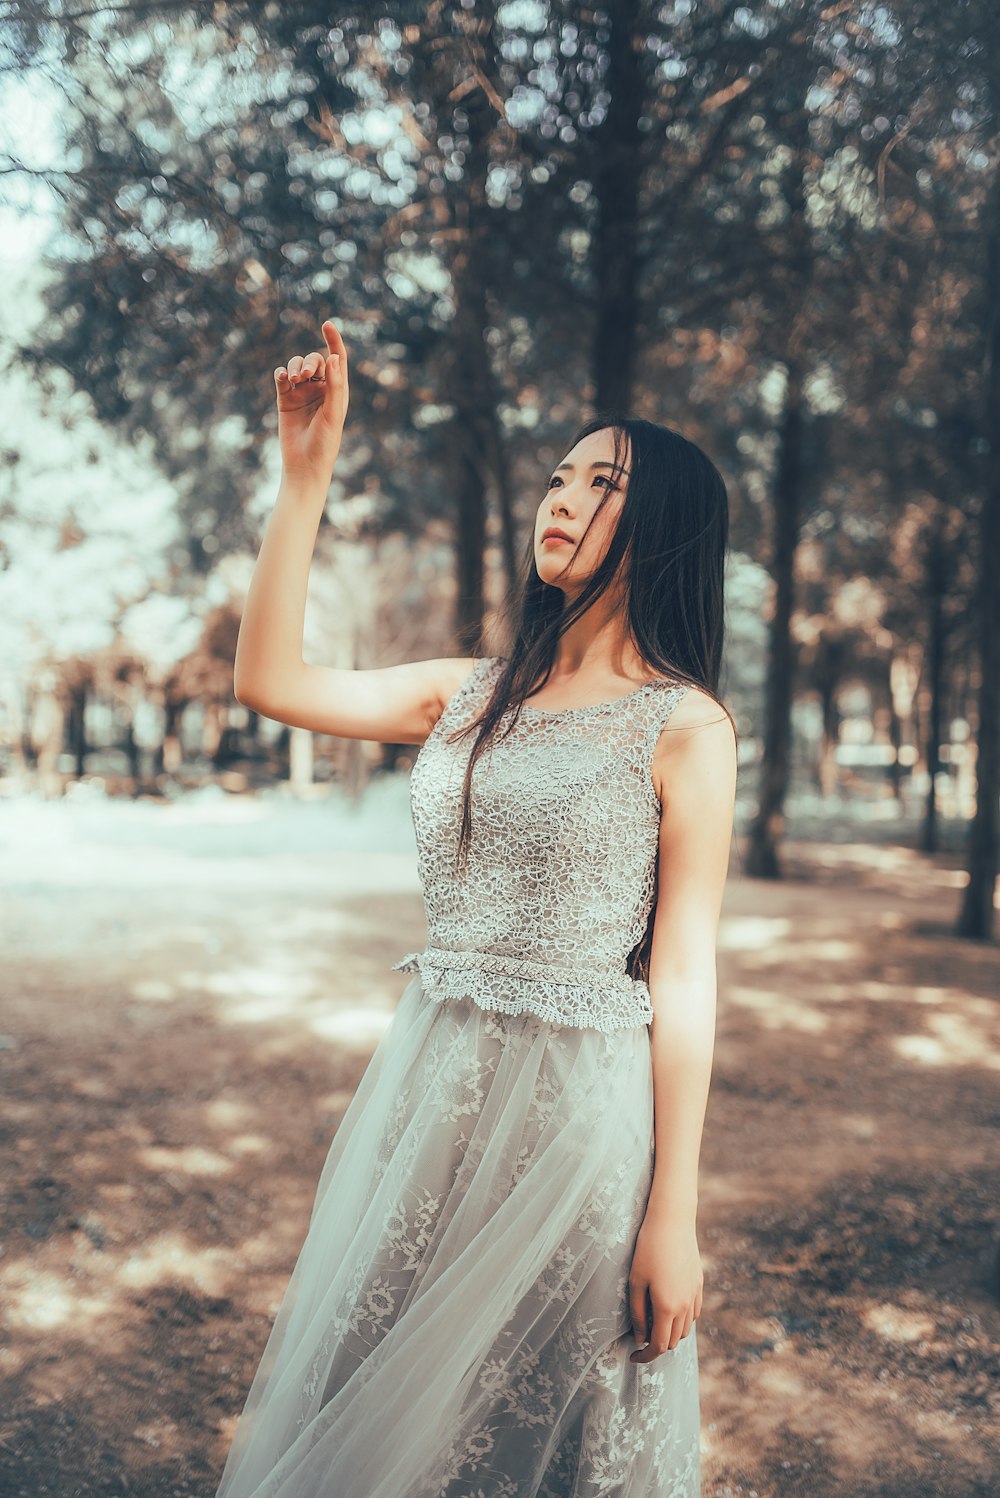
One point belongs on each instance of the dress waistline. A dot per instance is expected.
(591, 997)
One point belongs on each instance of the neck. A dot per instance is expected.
(596, 645)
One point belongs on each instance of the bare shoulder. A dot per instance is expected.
(697, 710)
(698, 740)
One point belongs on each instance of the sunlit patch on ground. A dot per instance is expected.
(897, 1324)
(178, 1055)
(173, 1256)
(192, 1160)
(778, 1011)
(752, 933)
(42, 1302)
(956, 1038)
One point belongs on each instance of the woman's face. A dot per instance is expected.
(576, 487)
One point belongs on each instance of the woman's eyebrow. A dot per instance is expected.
(599, 464)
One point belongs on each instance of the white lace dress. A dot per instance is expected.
(457, 1323)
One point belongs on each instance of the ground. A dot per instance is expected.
(191, 993)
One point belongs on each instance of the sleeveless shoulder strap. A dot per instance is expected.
(665, 697)
(657, 707)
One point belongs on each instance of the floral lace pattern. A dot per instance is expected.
(562, 869)
(487, 1258)
(457, 1324)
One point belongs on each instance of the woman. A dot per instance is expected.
(497, 1293)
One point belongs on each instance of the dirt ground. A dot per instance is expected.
(189, 1002)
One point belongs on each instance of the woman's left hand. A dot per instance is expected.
(665, 1284)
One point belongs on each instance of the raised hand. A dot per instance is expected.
(312, 407)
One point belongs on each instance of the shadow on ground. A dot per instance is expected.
(176, 1057)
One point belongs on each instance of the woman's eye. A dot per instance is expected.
(601, 477)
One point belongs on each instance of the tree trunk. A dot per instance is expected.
(504, 488)
(173, 752)
(976, 917)
(616, 176)
(156, 750)
(76, 731)
(896, 740)
(936, 574)
(767, 827)
(470, 537)
(469, 382)
(134, 755)
(828, 667)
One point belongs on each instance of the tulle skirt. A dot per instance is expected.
(457, 1323)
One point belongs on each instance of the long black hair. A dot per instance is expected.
(671, 541)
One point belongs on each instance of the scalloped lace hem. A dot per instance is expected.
(599, 1001)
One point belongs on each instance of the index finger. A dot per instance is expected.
(334, 341)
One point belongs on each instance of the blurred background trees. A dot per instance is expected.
(773, 226)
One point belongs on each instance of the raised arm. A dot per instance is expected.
(394, 704)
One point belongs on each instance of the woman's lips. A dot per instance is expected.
(556, 541)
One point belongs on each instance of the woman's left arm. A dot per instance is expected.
(697, 766)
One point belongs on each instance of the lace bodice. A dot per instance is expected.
(561, 874)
